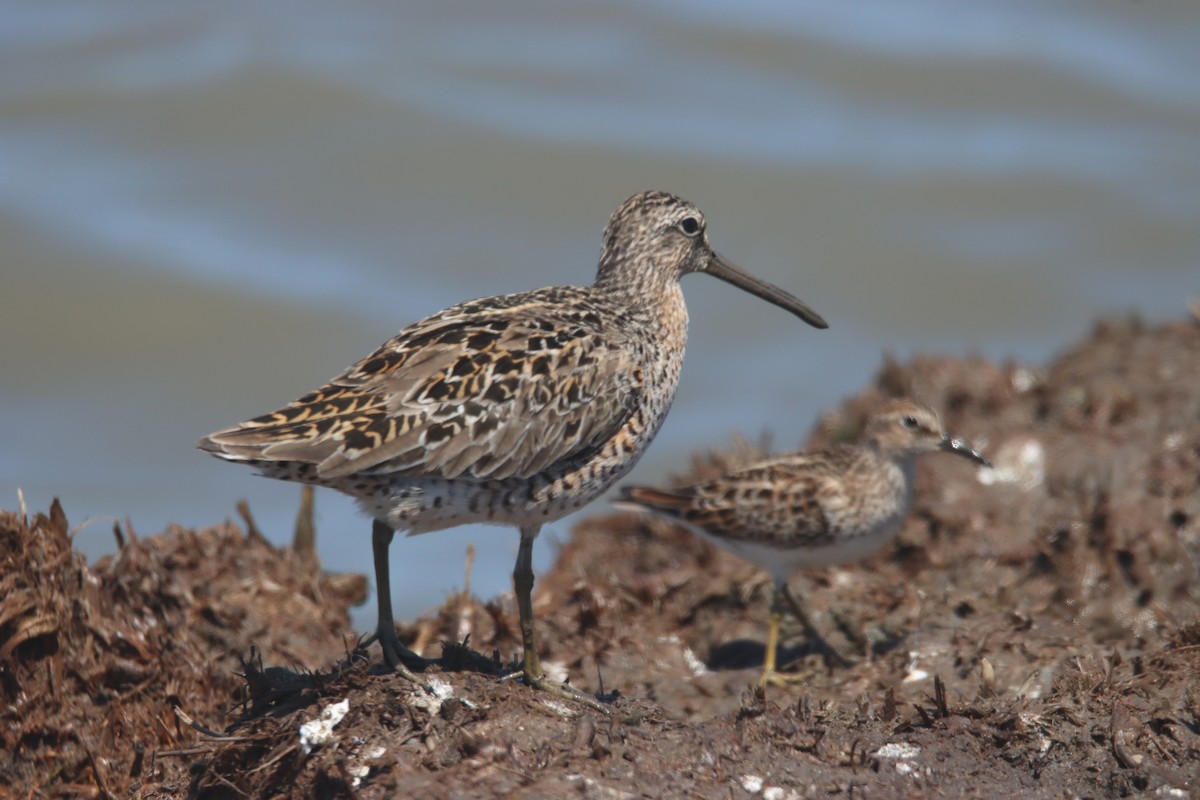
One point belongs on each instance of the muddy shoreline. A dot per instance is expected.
(1035, 633)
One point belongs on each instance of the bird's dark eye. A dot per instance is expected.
(909, 422)
(689, 225)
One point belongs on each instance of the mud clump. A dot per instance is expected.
(1034, 631)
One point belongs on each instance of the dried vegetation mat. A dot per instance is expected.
(1033, 632)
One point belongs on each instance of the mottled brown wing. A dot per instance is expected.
(491, 389)
(780, 500)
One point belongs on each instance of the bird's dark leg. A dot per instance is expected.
(815, 639)
(395, 655)
(523, 586)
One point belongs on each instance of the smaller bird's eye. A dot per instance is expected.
(909, 422)
(689, 225)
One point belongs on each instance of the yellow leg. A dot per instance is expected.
(769, 676)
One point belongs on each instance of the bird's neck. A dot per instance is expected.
(644, 294)
(905, 462)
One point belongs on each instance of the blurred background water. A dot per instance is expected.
(207, 209)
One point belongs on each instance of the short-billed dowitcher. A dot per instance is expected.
(811, 509)
(514, 410)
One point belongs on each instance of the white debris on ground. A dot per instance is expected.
(1020, 461)
(693, 663)
(317, 732)
(561, 709)
(915, 673)
(360, 770)
(556, 671)
(430, 697)
(902, 753)
(754, 784)
(1023, 379)
(898, 750)
(589, 788)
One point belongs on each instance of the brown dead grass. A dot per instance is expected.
(1035, 637)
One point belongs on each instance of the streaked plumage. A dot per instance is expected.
(811, 509)
(515, 409)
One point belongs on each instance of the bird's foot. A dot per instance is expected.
(398, 657)
(562, 690)
(783, 679)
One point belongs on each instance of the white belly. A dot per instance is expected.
(781, 562)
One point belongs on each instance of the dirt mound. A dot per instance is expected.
(1034, 631)
(93, 661)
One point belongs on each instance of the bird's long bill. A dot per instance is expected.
(721, 267)
(959, 447)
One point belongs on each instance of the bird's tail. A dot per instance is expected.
(646, 498)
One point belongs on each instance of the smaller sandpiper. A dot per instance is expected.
(813, 509)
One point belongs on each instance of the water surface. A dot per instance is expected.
(208, 209)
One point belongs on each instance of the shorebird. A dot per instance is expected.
(513, 410)
(813, 509)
